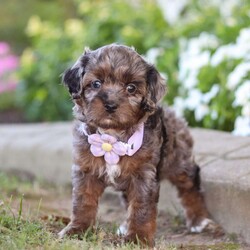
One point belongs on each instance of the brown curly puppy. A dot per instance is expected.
(124, 139)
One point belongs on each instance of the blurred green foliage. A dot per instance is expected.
(231, 31)
(14, 15)
(54, 48)
(140, 24)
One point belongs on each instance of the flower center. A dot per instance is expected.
(107, 147)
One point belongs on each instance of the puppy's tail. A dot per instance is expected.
(196, 176)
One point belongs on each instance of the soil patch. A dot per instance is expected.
(171, 230)
(53, 205)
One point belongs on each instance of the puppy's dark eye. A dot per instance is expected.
(131, 88)
(96, 84)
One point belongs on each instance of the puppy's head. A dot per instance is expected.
(113, 87)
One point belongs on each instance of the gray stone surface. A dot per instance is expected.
(215, 143)
(44, 150)
(226, 178)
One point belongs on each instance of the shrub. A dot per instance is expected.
(215, 90)
(40, 93)
(202, 48)
(210, 65)
(54, 48)
(14, 15)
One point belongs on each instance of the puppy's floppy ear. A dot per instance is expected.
(156, 85)
(72, 77)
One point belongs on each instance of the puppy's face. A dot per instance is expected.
(114, 87)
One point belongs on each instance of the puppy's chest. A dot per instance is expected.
(118, 175)
(112, 174)
(128, 166)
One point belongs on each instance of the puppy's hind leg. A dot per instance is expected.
(188, 186)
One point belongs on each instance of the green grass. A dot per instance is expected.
(16, 232)
(24, 226)
(24, 232)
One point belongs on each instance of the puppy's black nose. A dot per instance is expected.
(110, 107)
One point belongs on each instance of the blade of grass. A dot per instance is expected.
(20, 209)
(9, 208)
(39, 207)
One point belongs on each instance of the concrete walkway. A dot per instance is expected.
(44, 150)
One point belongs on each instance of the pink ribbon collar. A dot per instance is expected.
(108, 146)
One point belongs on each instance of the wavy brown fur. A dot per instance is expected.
(166, 152)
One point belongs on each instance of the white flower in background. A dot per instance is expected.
(152, 54)
(190, 65)
(242, 94)
(239, 50)
(225, 6)
(236, 76)
(242, 126)
(244, 37)
(194, 99)
(191, 79)
(214, 115)
(242, 98)
(194, 55)
(164, 76)
(211, 94)
(246, 110)
(198, 102)
(179, 106)
(243, 43)
(208, 40)
(201, 111)
(221, 54)
(172, 9)
(203, 41)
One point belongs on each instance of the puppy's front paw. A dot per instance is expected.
(143, 241)
(70, 230)
(62, 233)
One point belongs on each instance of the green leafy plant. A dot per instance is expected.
(210, 68)
(192, 50)
(54, 48)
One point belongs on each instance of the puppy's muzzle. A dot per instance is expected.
(109, 100)
(110, 107)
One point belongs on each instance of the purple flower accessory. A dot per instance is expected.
(108, 146)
